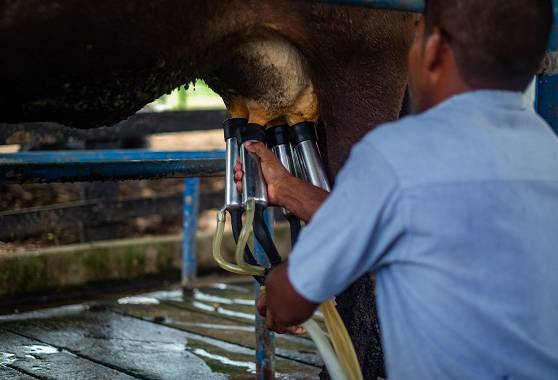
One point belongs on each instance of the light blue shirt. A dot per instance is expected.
(456, 212)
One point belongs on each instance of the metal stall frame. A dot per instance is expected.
(546, 102)
(119, 165)
(397, 5)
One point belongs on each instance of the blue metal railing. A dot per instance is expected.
(547, 83)
(108, 165)
(400, 5)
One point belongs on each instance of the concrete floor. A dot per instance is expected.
(207, 333)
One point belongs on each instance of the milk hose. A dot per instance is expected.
(334, 368)
(245, 234)
(236, 221)
(344, 362)
(216, 246)
(341, 340)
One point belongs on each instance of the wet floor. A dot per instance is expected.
(207, 333)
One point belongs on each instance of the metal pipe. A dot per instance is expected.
(278, 142)
(233, 198)
(398, 5)
(546, 102)
(190, 224)
(307, 154)
(253, 184)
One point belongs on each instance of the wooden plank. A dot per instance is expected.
(139, 348)
(25, 356)
(217, 327)
(33, 221)
(9, 373)
(140, 124)
(227, 315)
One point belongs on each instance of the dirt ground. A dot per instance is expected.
(17, 197)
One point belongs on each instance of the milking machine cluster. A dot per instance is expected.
(297, 149)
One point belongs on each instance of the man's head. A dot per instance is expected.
(464, 45)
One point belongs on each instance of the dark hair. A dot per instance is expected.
(497, 43)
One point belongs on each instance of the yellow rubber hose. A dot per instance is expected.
(245, 234)
(217, 243)
(341, 340)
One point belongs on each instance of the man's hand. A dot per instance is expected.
(272, 325)
(283, 189)
(273, 171)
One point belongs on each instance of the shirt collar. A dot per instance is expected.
(493, 98)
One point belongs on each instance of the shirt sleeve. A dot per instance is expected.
(352, 231)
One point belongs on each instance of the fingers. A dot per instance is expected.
(259, 149)
(238, 174)
(296, 330)
(280, 329)
(272, 324)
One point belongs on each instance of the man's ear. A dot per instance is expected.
(435, 53)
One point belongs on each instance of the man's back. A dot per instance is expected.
(464, 244)
(475, 290)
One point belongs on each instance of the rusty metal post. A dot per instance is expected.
(265, 340)
(547, 82)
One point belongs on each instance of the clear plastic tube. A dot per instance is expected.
(245, 234)
(334, 368)
(217, 243)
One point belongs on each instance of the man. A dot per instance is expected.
(454, 210)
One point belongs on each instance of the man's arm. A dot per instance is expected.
(278, 301)
(351, 234)
(300, 197)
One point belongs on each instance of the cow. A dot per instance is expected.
(93, 63)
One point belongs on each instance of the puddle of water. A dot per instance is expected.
(223, 311)
(61, 311)
(232, 313)
(222, 286)
(203, 306)
(222, 345)
(138, 300)
(166, 295)
(40, 349)
(7, 358)
(250, 367)
(201, 296)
